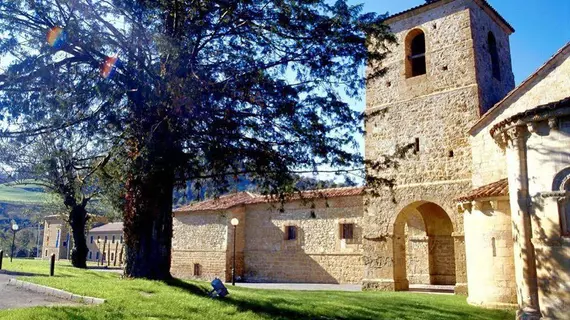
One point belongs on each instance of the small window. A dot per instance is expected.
(347, 231)
(197, 271)
(112, 256)
(90, 255)
(290, 233)
(57, 240)
(91, 239)
(47, 240)
(97, 256)
(113, 239)
(64, 244)
(121, 239)
(105, 238)
(494, 52)
(416, 54)
(494, 246)
(46, 253)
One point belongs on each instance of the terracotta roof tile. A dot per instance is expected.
(221, 203)
(495, 189)
(243, 198)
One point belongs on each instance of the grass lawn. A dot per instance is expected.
(142, 299)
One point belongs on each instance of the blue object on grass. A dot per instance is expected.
(219, 289)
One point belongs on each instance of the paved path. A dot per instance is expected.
(300, 286)
(12, 297)
(339, 287)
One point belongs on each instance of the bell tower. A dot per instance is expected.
(451, 64)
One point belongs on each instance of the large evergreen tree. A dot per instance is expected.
(197, 89)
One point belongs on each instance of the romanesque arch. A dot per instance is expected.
(423, 246)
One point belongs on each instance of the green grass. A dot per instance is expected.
(21, 194)
(142, 299)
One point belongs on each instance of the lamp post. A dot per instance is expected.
(15, 228)
(234, 223)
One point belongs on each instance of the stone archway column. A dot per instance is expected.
(525, 263)
(460, 263)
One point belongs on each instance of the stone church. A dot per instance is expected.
(481, 203)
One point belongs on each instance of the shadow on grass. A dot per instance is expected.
(342, 306)
(191, 288)
(23, 274)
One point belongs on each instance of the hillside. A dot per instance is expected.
(22, 194)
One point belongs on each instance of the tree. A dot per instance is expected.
(200, 90)
(65, 164)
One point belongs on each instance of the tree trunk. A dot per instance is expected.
(148, 208)
(148, 226)
(77, 221)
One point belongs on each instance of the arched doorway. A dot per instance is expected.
(423, 246)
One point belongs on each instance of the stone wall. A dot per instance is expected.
(417, 249)
(490, 254)
(202, 239)
(492, 90)
(318, 254)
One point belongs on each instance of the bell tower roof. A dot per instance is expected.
(437, 3)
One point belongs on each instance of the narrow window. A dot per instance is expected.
(57, 240)
(112, 256)
(97, 256)
(493, 51)
(416, 54)
(347, 231)
(90, 255)
(46, 253)
(64, 244)
(197, 270)
(417, 145)
(105, 238)
(564, 211)
(121, 239)
(113, 241)
(91, 239)
(494, 246)
(290, 233)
